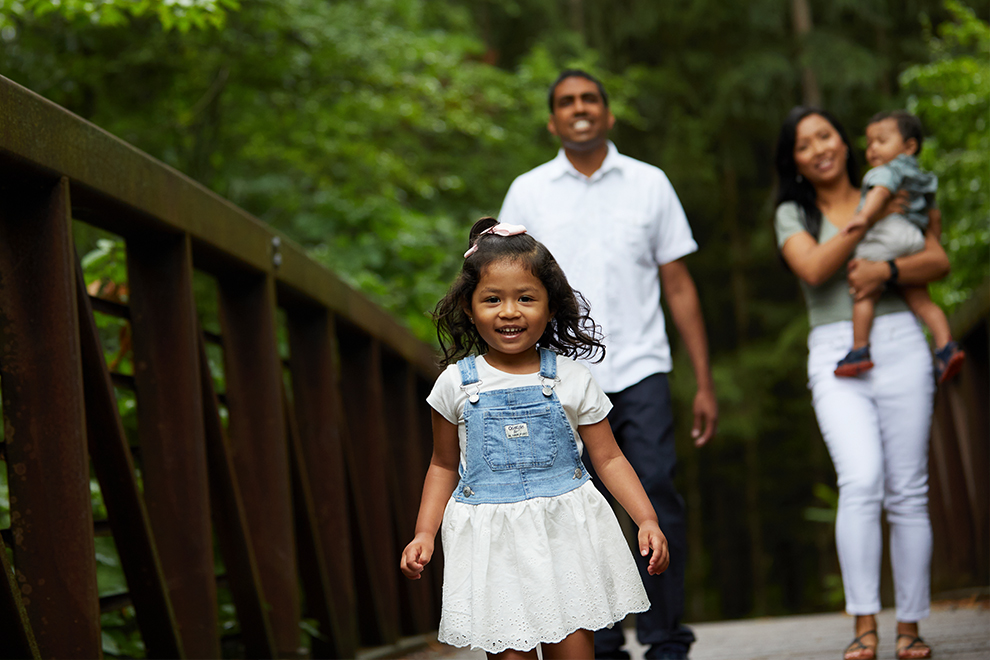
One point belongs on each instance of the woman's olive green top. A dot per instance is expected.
(830, 301)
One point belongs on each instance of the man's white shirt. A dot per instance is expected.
(610, 233)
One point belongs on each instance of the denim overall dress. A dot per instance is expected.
(519, 442)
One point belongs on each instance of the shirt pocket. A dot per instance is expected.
(630, 232)
(520, 437)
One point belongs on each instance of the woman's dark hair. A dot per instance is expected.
(570, 331)
(908, 125)
(791, 188)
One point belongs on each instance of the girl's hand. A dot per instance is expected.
(650, 536)
(416, 556)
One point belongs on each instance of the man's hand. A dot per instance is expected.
(705, 417)
(682, 299)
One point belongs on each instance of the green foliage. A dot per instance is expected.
(825, 514)
(121, 636)
(374, 132)
(951, 95)
(182, 15)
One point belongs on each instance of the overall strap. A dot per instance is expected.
(470, 383)
(548, 371)
(469, 371)
(548, 363)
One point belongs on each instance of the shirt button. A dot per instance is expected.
(467, 491)
(577, 473)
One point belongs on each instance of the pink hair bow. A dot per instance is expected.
(500, 229)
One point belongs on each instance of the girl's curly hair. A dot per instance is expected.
(570, 331)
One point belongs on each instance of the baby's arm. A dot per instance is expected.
(869, 212)
(441, 479)
(621, 480)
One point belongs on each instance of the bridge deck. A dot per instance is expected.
(959, 630)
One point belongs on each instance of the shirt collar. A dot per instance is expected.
(562, 166)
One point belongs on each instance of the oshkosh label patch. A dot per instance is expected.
(516, 431)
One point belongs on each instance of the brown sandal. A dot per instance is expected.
(857, 650)
(918, 648)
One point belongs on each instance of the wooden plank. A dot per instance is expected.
(955, 514)
(425, 421)
(15, 627)
(405, 474)
(230, 521)
(260, 448)
(367, 454)
(45, 426)
(170, 431)
(317, 408)
(127, 515)
(312, 570)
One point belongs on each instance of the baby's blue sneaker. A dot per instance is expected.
(856, 362)
(948, 361)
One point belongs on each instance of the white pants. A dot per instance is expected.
(876, 427)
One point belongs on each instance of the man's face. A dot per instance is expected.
(579, 118)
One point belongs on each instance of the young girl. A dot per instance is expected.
(532, 552)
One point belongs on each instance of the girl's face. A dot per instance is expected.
(510, 308)
(819, 152)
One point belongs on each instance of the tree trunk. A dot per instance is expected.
(801, 19)
(577, 17)
(754, 519)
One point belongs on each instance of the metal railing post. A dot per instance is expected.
(48, 464)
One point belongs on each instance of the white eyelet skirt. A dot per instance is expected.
(535, 571)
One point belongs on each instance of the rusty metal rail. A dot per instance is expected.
(306, 493)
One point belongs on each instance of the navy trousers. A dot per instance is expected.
(642, 423)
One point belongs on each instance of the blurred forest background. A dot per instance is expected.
(374, 132)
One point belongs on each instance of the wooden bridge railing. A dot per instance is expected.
(959, 458)
(307, 490)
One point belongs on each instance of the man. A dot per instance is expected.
(620, 233)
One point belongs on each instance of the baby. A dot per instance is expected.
(893, 140)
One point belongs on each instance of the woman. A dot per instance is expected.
(875, 425)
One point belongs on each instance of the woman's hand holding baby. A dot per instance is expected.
(416, 556)
(650, 536)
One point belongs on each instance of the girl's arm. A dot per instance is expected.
(441, 479)
(621, 480)
(868, 277)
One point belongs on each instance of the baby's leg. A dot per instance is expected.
(930, 314)
(579, 644)
(862, 321)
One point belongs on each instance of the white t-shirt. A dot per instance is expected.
(583, 400)
(610, 233)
